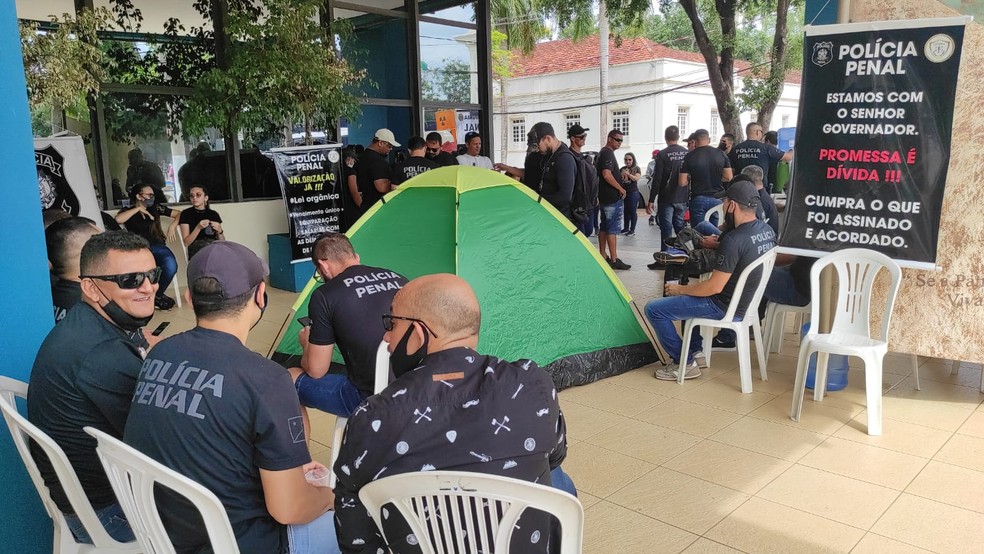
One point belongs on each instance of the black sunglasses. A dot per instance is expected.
(388, 323)
(617, 139)
(129, 281)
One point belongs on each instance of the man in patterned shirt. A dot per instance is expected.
(449, 408)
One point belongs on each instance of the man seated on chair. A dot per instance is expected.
(87, 367)
(449, 408)
(211, 409)
(64, 240)
(749, 238)
(344, 311)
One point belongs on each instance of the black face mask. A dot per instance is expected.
(402, 361)
(729, 219)
(120, 317)
(266, 302)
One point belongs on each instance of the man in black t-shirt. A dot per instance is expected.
(416, 164)
(611, 191)
(434, 152)
(755, 152)
(209, 408)
(559, 167)
(450, 408)
(705, 170)
(64, 240)
(373, 171)
(344, 311)
(749, 239)
(664, 187)
(86, 370)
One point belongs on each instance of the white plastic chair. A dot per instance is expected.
(775, 323)
(177, 274)
(381, 382)
(465, 499)
(748, 321)
(850, 332)
(23, 431)
(719, 210)
(133, 476)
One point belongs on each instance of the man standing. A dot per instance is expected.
(772, 139)
(211, 409)
(705, 170)
(449, 408)
(434, 152)
(473, 156)
(559, 169)
(577, 136)
(749, 239)
(671, 198)
(727, 143)
(86, 370)
(343, 311)
(64, 240)
(610, 195)
(416, 164)
(373, 171)
(755, 152)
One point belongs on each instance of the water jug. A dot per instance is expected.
(836, 368)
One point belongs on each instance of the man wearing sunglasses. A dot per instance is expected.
(434, 152)
(344, 312)
(611, 191)
(449, 408)
(86, 369)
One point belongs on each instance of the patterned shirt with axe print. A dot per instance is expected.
(459, 411)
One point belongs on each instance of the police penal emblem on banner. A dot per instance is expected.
(873, 140)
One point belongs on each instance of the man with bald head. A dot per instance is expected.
(64, 240)
(449, 408)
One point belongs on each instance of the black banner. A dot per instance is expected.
(873, 140)
(312, 188)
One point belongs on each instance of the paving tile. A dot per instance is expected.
(877, 544)
(707, 546)
(821, 417)
(951, 484)
(729, 466)
(610, 397)
(974, 426)
(771, 439)
(585, 421)
(726, 396)
(762, 526)
(645, 441)
(908, 438)
(871, 464)
(610, 528)
(964, 451)
(931, 525)
(601, 472)
(694, 419)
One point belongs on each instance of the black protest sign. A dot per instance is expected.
(312, 188)
(873, 140)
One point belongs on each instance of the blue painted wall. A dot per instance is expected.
(821, 12)
(25, 305)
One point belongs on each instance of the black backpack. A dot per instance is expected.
(585, 188)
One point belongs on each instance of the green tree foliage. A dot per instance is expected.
(451, 82)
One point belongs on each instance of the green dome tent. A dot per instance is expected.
(545, 292)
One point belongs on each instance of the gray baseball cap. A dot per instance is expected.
(237, 268)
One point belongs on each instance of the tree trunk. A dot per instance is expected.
(505, 126)
(308, 136)
(777, 68)
(720, 70)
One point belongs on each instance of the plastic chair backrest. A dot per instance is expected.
(133, 476)
(719, 210)
(766, 262)
(23, 431)
(856, 271)
(417, 495)
(382, 367)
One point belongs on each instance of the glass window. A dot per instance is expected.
(377, 44)
(683, 120)
(395, 118)
(572, 119)
(463, 13)
(715, 120)
(453, 124)
(448, 64)
(785, 120)
(519, 131)
(620, 121)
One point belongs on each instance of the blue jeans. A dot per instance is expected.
(698, 208)
(169, 266)
(332, 393)
(707, 229)
(113, 520)
(663, 312)
(781, 290)
(611, 218)
(315, 537)
(670, 218)
(631, 210)
(562, 481)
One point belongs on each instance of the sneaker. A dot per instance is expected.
(667, 258)
(630, 233)
(700, 359)
(672, 372)
(619, 264)
(163, 302)
(719, 345)
(652, 220)
(656, 265)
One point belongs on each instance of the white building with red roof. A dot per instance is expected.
(650, 87)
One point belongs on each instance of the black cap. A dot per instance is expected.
(576, 130)
(235, 267)
(538, 131)
(692, 137)
(743, 192)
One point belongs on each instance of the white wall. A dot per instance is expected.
(648, 116)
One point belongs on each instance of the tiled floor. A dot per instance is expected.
(702, 468)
